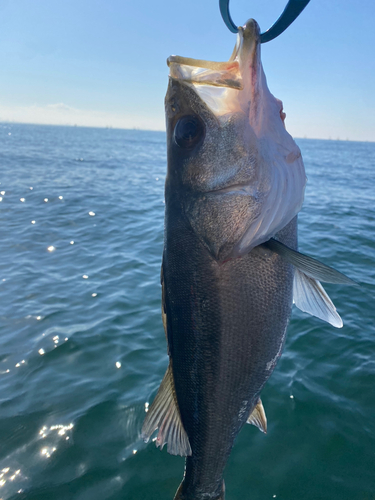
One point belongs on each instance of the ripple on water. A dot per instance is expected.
(79, 357)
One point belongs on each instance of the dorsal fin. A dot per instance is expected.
(164, 415)
(258, 417)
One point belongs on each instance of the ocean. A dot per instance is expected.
(82, 347)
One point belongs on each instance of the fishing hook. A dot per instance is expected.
(292, 10)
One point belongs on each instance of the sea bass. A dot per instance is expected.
(234, 186)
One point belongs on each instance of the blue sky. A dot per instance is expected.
(103, 63)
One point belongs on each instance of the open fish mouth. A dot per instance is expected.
(201, 72)
(218, 74)
(223, 86)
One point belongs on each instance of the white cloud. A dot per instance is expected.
(60, 105)
(62, 114)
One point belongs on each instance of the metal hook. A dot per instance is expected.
(292, 10)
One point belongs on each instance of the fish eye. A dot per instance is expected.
(189, 131)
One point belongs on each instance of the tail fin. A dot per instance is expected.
(181, 495)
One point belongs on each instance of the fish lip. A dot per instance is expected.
(250, 31)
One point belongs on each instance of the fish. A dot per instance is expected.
(231, 268)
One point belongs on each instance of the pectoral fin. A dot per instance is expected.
(309, 266)
(310, 297)
(308, 293)
(164, 415)
(258, 417)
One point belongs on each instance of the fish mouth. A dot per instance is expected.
(229, 77)
(201, 72)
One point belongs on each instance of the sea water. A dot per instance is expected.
(82, 347)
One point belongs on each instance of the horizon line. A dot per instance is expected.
(140, 129)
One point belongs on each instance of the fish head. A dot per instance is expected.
(206, 153)
(237, 173)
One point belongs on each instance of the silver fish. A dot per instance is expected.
(234, 186)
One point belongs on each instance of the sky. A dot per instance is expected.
(103, 62)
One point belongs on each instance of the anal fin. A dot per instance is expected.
(164, 415)
(258, 417)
